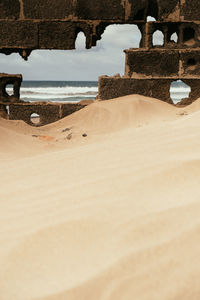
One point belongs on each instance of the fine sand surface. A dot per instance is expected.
(114, 215)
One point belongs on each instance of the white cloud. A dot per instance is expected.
(81, 64)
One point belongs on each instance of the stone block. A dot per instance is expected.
(190, 63)
(190, 10)
(100, 10)
(152, 63)
(48, 113)
(69, 108)
(57, 35)
(111, 87)
(18, 34)
(48, 9)
(62, 35)
(15, 82)
(9, 9)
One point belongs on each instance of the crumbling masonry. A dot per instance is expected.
(150, 70)
(26, 25)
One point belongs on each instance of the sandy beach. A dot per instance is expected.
(102, 205)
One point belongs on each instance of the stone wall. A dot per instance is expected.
(47, 112)
(15, 81)
(152, 68)
(26, 25)
(12, 108)
(159, 88)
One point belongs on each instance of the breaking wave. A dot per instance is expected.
(57, 91)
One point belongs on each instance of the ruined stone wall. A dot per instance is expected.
(151, 69)
(26, 25)
(54, 24)
(13, 108)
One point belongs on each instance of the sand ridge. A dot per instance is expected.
(114, 215)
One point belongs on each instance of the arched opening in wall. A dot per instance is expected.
(72, 76)
(179, 91)
(191, 64)
(174, 38)
(151, 19)
(80, 43)
(35, 119)
(121, 36)
(158, 38)
(188, 36)
(9, 89)
(8, 109)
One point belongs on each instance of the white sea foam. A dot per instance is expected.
(53, 93)
(77, 93)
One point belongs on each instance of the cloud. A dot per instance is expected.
(81, 64)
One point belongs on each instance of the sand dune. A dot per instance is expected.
(113, 215)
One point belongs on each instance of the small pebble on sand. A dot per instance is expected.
(66, 129)
(69, 136)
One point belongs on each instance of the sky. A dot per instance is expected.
(107, 58)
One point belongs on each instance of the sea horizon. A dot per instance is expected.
(58, 90)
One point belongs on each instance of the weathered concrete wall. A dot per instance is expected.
(159, 88)
(54, 24)
(151, 63)
(152, 68)
(119, 10)
(12, 108)
(15, 81)
(161, 63)
(112, 87)
(188, 34)
(48, 112)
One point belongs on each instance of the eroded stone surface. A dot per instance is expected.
(47, 112)
(9, 9)
(151, 63)
(26, 25)
(159, 88)
(15, 82)
(61, 18)
(49, 9)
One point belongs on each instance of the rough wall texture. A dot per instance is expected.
(54, 24)
(12, 108)
(152, 68)
(47, 112)
(15, 80)
(159, 88)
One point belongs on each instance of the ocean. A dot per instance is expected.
(58, 91)
(75, 91)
